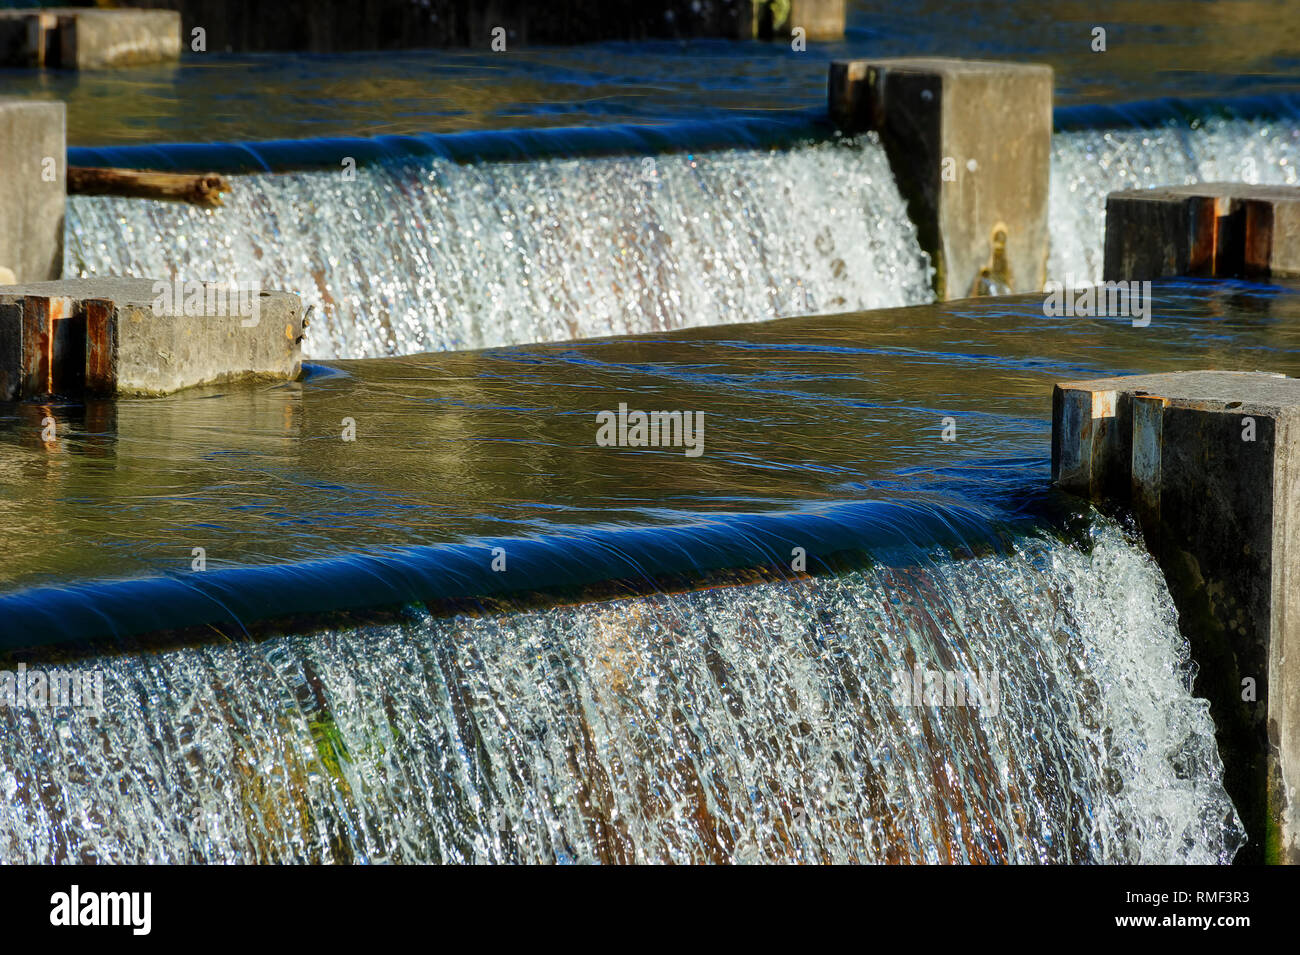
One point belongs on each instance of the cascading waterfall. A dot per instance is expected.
(430, 254)
(1088, 164)
(433, 255)
(766, 721)
(761, 722)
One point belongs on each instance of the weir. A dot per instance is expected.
(395, 24)
(754, 723)
(548, 723)
(424, 252)
(785, 221)
(414, 608)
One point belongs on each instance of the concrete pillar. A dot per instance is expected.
(77, 39)
(1209, 463)
(1215, 229)
(28, 37)
(33, 173)
(139, 337)
(970, 145)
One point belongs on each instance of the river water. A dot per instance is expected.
(649, 673)
(411, 607)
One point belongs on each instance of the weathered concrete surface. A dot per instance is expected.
(110, 336)
(32, 184)
(100, 39)
(1216, 229)
(75, 38)
(970, 145)
(28, 37)
(1209, 463)
(819, 19)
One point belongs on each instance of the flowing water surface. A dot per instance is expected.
(712, 701)
(432, 247)
(409, 608)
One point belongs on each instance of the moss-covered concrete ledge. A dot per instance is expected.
(1209, 463)
(118, 336)
(970, 144)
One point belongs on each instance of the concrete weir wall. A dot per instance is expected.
(140, 337)
(1214, 229)
(1209, 463)
(970, 145)
(74, 38)
(32, 189)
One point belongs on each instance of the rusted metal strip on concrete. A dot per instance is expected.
(1257, 255)
(1069, 465)
(1202, 246)
(53, 346)
(1230, 237)
(1087, 437)
(37, 377)
(101, 347)
(43, 39)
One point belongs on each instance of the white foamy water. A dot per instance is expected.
(743, 724)
(437, 256)
(1088, 165)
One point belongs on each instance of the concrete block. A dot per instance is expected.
(74, 38)
(33, 173)
(1209, 463)
(100, 39)
(819, 19)
(1216, 229)
(139, 337)
(28, 37)
(970, 145)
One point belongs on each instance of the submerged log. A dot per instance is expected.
(202, 189)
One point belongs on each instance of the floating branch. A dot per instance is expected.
(202, 190)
